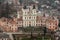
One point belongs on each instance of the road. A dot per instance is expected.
(25, 33)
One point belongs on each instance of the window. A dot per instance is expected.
(34, 11)
(7, 22)
(34, 17)
(29, 17)
(25, 13)
(50, 26)
(36, 25)
(50, 23)
(41, 24)
(53, 26)
(15, 28)
(25, 17)
(10, 27)
(17, 22)
(56, 24)
(25, 24)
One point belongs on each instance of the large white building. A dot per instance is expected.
(29, 15)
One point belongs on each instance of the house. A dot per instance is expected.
(4, 36)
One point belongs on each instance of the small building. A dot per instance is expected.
(4, 36)
(39, 21)
(52, 24)
(19, 22)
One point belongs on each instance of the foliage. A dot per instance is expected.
(7, 10)
(45, 30)
(38, 38)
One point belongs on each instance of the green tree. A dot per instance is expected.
(59, 23)
(45, 30)
(7, 10)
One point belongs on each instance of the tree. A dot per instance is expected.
(45, 30)
(59, 23)
(7, 10)
(1, 0)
